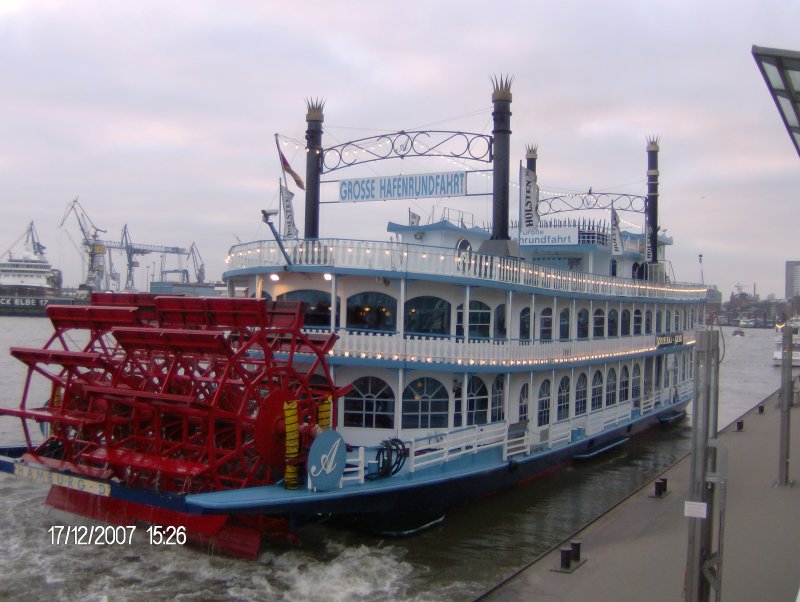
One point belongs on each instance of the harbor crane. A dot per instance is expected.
(97, 277)
(197, 264)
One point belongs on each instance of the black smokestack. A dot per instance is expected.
(314, 119)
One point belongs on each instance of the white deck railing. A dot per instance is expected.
(437, 261)
(500, 353)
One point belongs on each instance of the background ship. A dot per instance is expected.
(27, 280)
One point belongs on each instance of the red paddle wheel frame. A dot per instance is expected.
(174, 394)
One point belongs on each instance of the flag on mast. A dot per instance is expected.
(616, 234)
(289, 230)
(288, 168)
(528, 201)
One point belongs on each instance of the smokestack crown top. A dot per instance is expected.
(652, 143)
(315, 107)
(502, 87)
(531, 151)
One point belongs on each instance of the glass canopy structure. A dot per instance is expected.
(781, 71)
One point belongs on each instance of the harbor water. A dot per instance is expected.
(475, 547)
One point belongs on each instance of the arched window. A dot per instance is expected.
(500, 321)
(546, 324)
(613, 267)
(479, 320)
(658, 321)
(318, 307)
(562, 400)
(583, 324)
(625, 325)
(581, 390)
(563, 325)
(667, 320)
(464, 246)
(597, 391)
(543, 415)
(637, 321)
(648, 322)
(613, 323)
(525, 324)
(477, 401)
(425, 403)
(427, 315)
(497, 411)
(523, 402)
(636, 384)
(691, 319)
(677, 323)
(636, 271)
(599, 324)
(372, 311)
(611, 388)
(370, 404)
(624, 384)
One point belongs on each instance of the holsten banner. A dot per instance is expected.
(414, 186)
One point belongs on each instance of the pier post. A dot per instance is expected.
(703, 565)
(314, 120)
(787, 395)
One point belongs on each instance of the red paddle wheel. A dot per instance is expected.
(177, 395)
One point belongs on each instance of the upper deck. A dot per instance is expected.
(395, 259)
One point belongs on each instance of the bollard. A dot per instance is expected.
(761, 408)
(575, 548)
(739, 425)
(659, 489)
(566, 558)
(663, 485)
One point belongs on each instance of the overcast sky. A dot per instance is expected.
(161, 115)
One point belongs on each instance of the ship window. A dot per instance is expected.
(498, 386)
(683, 366)
(546, 324)
(636, 384)
(370, 404)
(583, 324)
(658, 322)
(372, 311)
(523, 402)
(624, 384)
(479, 320)
(648, 322)
(543, 415)
(563, 325)
(625, 323)
(677, 323)
(599, 324)
(667, 320)
(581, 386)
(425, 404)
(613, 269)
(691, 319)
(562, 400)
(597, 390)
(613, 323)
(525, 324)
(427, 315)
(477, 401)
(611, 388)
(318, 306)
(464, 246)
(637, 321)
(500, 322)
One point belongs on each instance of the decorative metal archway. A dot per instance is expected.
(402, 144)
(592, 200)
